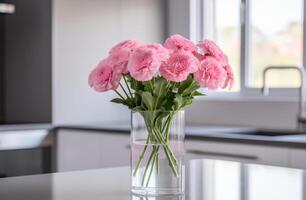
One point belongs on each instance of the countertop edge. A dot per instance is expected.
(227, 138)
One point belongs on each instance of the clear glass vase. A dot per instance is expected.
(157, 153)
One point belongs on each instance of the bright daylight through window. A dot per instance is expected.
(274, 30)
(276, 38)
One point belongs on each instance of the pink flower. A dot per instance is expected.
(119, 55)
(212, 49)
(179, 66)
(211, 74)
(129, 45)
(161, 52)
(143, 64)
(104, 77)
(229, 81)
(178, 42)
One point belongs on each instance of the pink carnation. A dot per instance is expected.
(179, 66)
(229, 81)
(104, 77)
(212, 49)
(161, 52)
(119, 55)
(143, 64)
(211, 74)
(178, 42)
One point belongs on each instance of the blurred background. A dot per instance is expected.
(50, 120)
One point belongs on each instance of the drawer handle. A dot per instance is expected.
(207, 153)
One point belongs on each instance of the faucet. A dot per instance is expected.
(301, 118)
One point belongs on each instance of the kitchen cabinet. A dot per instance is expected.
(297, 158)
(23, 162)
(86, 149)
(26, 63)
(81, 149)
(250, 153)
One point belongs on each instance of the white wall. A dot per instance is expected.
(83, 32)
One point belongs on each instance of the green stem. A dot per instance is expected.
(155, 135)
(147, 167)
(166, 122)
(141, 156)
(128, 87)
(124, 91)
(167, 128)
(119, 94)
(151, 85)
(168, 153)
(167, 133)
(152, 165)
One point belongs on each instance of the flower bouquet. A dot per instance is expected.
(158, 82)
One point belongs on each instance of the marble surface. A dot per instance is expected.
(205, 180)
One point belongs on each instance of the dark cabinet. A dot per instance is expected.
(25, 62)
(25, 162)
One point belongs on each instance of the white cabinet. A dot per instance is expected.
(250, 153)
(81, 149)
(298, 158)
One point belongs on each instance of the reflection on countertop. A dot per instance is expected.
(205, 179)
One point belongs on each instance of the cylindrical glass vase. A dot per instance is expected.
(157, 153)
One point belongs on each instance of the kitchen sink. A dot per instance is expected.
(243, 131)
(271, 132)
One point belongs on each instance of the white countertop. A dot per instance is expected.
(214, 177)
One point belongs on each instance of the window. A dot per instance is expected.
(275, 38)
(227, 27)
(222, 24)
(256, 34)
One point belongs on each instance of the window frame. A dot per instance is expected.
(199, 33)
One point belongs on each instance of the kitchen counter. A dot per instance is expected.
(205, 179)
(194, 132)
(210, 133)
(21, 127)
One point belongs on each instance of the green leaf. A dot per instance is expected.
(187, 101)
(168, 101)
(148, 100)
(148, 86)
(191, 88)
(120, 101)
(197, 93)
(160, 91)
(185, 84)
(138, 109)
(160, 117)
(160, 86)
(135, 85)
(178, 102)
(137, 99)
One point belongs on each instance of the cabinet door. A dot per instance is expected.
(237, 152)
(79, 150)
(298, 158)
